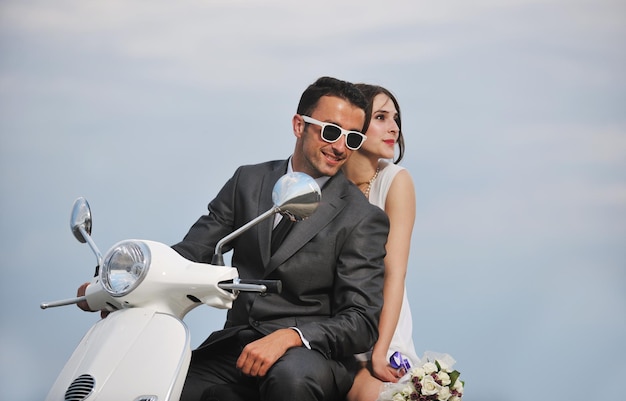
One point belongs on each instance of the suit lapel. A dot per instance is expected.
(265, 227)
(331, 204)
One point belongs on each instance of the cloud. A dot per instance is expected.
(215, 41)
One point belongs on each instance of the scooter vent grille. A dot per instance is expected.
(80, 388)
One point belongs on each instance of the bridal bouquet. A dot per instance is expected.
(433, 380)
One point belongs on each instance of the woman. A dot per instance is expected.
(390, 187)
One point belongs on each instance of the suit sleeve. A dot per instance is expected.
(199, 243)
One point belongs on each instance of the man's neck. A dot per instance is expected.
(320, 180)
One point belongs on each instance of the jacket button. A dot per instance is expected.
(256, 323)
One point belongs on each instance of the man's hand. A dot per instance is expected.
(81, 293)
(84, 305)
(260, 355)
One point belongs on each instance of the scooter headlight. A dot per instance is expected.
(124, 267)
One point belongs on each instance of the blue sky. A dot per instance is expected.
(515, 119)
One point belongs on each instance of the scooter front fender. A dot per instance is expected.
(133, 354)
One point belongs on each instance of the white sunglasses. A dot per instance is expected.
(331, 133)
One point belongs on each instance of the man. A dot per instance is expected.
(297, 345)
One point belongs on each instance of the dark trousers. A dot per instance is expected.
(301, 374)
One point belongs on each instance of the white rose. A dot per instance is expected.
(444, 394)
(453, 398)
(417, 372)
(444, 377)
(429, 368)
(458, 386)
(408, 390)
(429, 386)
(398, 397)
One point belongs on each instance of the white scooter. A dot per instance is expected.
(141, 351)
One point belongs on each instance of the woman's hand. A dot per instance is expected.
(382, 370)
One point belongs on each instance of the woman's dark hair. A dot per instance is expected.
(370, 92)
(327, 86)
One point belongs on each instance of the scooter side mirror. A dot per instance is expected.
(81, 221)
(295, 195)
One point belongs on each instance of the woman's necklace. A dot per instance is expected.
(369, 183)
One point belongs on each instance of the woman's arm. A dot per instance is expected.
(400, 208)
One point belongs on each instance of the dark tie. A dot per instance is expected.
(280, 232)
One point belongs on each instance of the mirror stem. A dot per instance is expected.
(218, 259)
(92, 244)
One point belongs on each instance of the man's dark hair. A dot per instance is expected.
(370, 92)
(328, 86)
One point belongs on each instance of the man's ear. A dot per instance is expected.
(298, 125)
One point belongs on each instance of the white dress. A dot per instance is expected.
(402, 340)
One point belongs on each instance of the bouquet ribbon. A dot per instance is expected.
(398, 361)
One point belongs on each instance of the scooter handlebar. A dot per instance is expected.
(273, 286)
(249, 285)
(54, 304)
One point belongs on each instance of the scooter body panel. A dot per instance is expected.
(133, 354)
(142, 350)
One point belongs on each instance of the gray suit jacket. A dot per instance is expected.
(331, 264)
